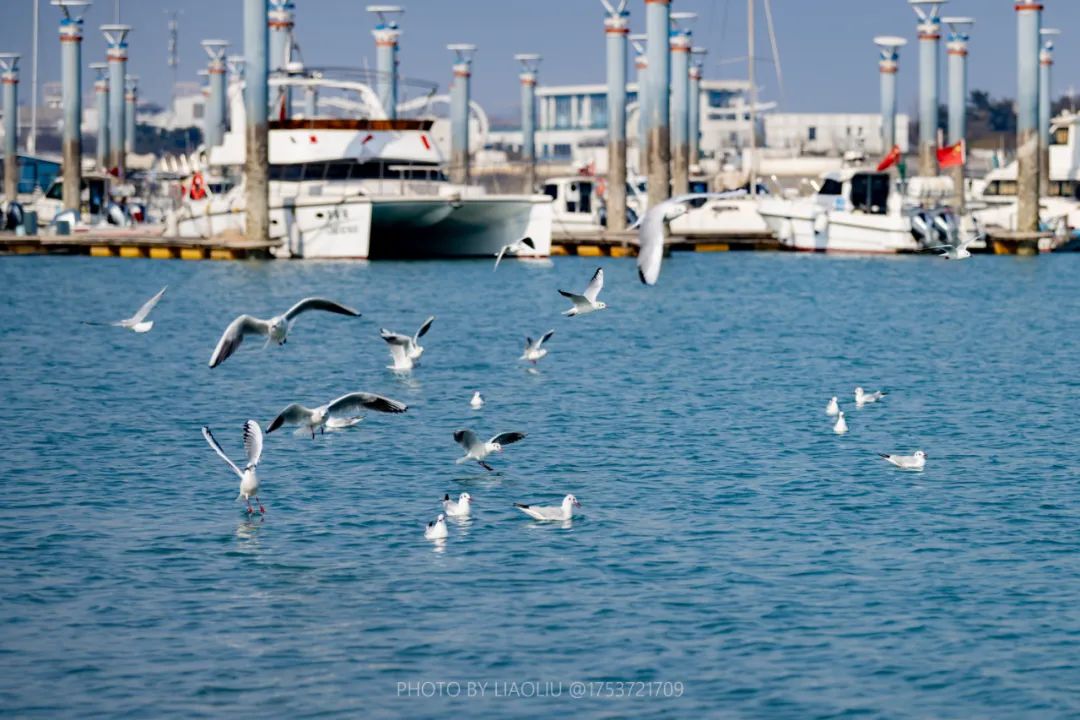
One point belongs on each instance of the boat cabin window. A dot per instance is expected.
(579, 197)
(351, 170)
(56, 191)
(870, 192)
(552, 191)
(1001, 187)
(830, 187)
(1064, 188)
(1060, 136)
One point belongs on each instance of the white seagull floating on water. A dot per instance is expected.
(253, 446)
(533, 352)
(276, 329)
(335, 414)
(436, 529)
(514, 249)
(651, 232)
(477, 401)
(461, 508)
(138, 322)
(833, 408)
(405, 350)
(841, 425)
(562, 512)
(862, 398)
(586, 302)
(917, 461)
(476, 449)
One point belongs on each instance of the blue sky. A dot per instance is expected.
(828, 59)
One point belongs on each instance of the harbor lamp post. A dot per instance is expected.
(9, 78)
(1046, 63)
(459, 112)
(386, 34)
(71, 79)
(530, 64)
(616, 30)
(929, 29)
(957, 49)
(117, 55)
(1028, 21)
(680, 42)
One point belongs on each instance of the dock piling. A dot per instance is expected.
(929, 30)
(658, 141)
(957, 50)
(641, 66)
(71, 79)
(101, 96)
(131, 103)
(697, 72)
(256, 101)
(281, 18)
(530, 65)
(215, 108)
(386, 34)
(1028, 20)
(616, 30)
(680, 43)
(9, 78)
(1046, 64)
(117, 55)
(459, 112)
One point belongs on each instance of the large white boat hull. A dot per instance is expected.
(805, 225)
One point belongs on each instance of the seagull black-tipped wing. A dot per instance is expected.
(292, 414)
(253, 442)
(595, 285)
(528, 241)
(508, 438)
(545, 338)
(213, 443)
(357, 400)
(424, 328)
(394, 338)
(466, 439)
(314, 303)
(234, 335)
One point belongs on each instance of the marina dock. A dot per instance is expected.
(136, 244)
(589, 242)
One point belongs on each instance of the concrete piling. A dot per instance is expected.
(530, 63)
(1028, 21)
(1046, 64)
(641, 67)
(616, 30)
(459, 112)
(957, 49)
(680, 44)
(697, 72)
(256, 99)
(658, 140)
(929, 30)
(101, 96)
(386, 34)
(215, 109)
(71, 80)
(131, 103)
(9, 79)
(281, 18)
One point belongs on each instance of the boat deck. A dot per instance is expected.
(136, 243)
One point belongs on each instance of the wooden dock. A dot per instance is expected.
(136, 243)
(605, 243)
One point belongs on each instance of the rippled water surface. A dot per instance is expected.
(728, 540)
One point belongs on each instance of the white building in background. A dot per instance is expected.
(572, 126)
(188, 108)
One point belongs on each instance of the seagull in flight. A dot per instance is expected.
(916, 461)
(514, 249)
(405, 350)
(476, 449)
(461, 508)
(586, 302)
(138, 322)
(651, 231)
(862, 397)
(833, 408)
(253, 446)
(334, 414)
(562, 512)
(955, 252)
(436, 529)
(533, 352)
(276, 329)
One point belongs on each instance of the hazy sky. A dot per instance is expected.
(828, 59)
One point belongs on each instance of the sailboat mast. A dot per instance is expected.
(753, 96)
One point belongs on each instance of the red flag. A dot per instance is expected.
(951, 155)
(889, 160)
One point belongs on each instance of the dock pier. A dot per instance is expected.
(137, 243)
(624, 243)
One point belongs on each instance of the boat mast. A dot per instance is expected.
(753, 96)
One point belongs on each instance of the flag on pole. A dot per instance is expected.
(889, 160)
(952, 155)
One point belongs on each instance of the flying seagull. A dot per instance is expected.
(955, 252)
(651, 232)
(461, 508)
(276, 329)
(513, 248)
(334, 414)
(476, 449)
(586, 302)
(917, 461)
(862, 398)
(562, 512)
(253, 445)
(138, 322)
(436, 529)
(533, 352)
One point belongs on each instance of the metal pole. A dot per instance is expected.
(957, 50)
(1046, 64)
(386, 34)
(116, 35)
(281, 18)
(131, 98)
(680, 44)
(751, 63)
(658, 28)
(9, 78)
(616, 29)
(696, 72)
(71, 76)
(929, 30)
(256, 96)
(529, 67)
(459, 113)
(1028, 20)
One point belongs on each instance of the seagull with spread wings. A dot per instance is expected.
(476, 449)
(336, 413)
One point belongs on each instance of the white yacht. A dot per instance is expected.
(359, 185)
(860, 211)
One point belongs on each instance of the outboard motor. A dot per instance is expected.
(945, 227)
(920, 228)
(14, 217)
(116, 215)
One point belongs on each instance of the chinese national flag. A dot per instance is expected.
(889, 160)
(951, 155)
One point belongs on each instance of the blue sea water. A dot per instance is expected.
(731, 549)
